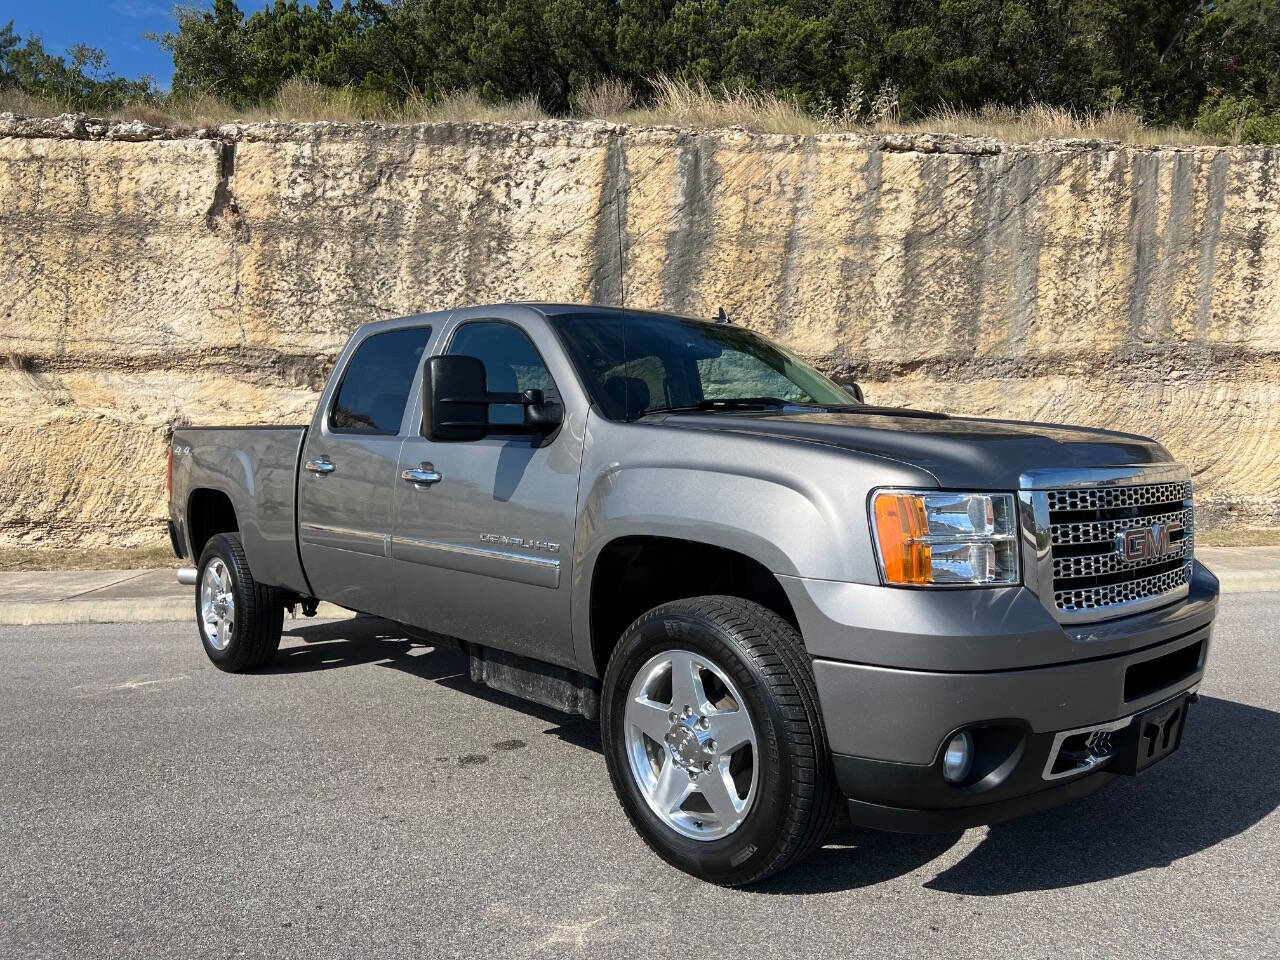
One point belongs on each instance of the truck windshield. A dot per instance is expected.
(647, 363)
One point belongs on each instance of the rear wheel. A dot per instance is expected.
(714, 740)
(240, 620)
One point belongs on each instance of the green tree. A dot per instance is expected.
(81, 80)
(1216, 62)
(212, 54)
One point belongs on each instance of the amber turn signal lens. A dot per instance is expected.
(901, 529)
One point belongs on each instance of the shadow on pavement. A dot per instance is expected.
(364, 639)
(1224, 779)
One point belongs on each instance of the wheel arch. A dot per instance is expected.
(634, 573)
(210, 511)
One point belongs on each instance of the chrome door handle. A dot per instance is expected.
(424, 474)
(321, 466)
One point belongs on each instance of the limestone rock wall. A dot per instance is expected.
(151, 276)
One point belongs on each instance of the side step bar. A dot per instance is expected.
(557, 687)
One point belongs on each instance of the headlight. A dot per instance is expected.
(940, 539)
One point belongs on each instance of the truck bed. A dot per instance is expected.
(257, 468)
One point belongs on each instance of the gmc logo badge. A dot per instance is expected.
(1148, 543)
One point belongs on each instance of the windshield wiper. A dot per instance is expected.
(746, 403)
(739, 403)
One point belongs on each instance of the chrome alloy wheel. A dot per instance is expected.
(691, 745)
(217, 604)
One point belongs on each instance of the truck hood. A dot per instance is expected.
(958, 451)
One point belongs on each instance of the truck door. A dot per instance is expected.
(349, 470)
(484, 529)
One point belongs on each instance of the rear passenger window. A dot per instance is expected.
(375, 387)
(512, 364)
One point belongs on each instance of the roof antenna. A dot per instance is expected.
(722, 316)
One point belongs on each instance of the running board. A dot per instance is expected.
(557, 687)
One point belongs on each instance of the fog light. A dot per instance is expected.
(958, 760)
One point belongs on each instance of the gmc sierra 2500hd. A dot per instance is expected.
(775, 597)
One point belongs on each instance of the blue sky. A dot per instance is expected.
(117, 26)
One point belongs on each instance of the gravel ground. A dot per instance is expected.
(364, 799)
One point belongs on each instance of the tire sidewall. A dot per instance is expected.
(753, 842)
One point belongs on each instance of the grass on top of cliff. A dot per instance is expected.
(677, 103)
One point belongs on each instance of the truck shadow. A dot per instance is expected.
(365, 639)
(1225, 779)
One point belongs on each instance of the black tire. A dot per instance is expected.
(258, 614)
(765, 657)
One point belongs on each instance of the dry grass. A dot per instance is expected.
(604, 100)
(148, 557)
(681, 103)
(468, 106)
(15, 101)
(1041, 122)
(671, 102)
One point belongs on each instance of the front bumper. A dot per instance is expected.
(887, 725)
(1012, 780)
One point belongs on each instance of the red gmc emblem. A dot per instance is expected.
(1148, 543)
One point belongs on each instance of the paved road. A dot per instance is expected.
(361, 800)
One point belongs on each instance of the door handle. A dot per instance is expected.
(424, 474)
(321, 465)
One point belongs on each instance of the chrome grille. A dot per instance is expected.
(1107, 498)
(1092, 576)
(1099, 598)
(1105, 531)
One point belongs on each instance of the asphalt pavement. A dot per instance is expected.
(364, 799)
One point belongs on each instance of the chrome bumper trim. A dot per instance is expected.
(1110, 726)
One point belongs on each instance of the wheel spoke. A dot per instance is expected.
(672, 787)
(687, 743)
(730, 730)
(720, 795)
(652, 719)
(686, 682)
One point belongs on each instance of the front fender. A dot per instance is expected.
(797, 508)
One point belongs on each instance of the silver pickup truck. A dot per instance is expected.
(778, 599)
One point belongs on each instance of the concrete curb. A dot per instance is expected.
(1243, 569)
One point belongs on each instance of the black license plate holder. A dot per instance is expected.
(1153, 735)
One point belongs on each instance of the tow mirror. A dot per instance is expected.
(456, 401)
(855, 391)
(454, 395)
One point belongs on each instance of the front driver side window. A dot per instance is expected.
(376, 384)
(511, 364)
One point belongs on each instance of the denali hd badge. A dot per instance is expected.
(1148, 543)
(527, 542)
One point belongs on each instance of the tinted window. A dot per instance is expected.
(376, 385)
(641, 363)
(511, 364)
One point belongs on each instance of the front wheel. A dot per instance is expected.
(240, 620)
(714, 740)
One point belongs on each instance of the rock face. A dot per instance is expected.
(151, 276)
